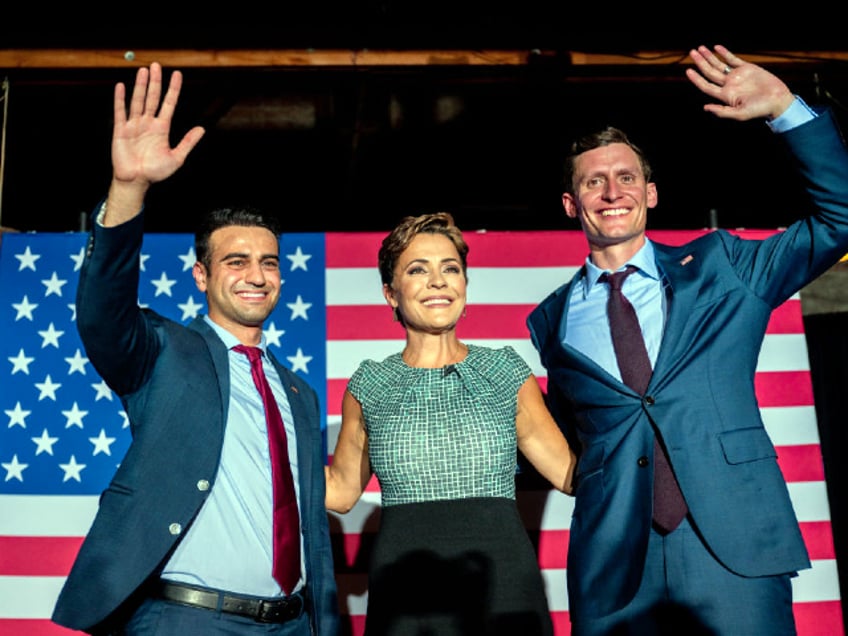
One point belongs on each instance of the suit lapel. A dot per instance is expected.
(555, 327)
(304, 440)
(681, 270)
(220, 359)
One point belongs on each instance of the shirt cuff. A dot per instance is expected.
(798, 113)
(98, 218)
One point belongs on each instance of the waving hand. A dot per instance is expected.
(744, 90)
(141, 149)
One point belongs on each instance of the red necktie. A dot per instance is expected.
(286, 568)
(635, 367)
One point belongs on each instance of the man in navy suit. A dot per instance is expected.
(703, 309)
(182, 540)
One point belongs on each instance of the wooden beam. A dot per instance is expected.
(667, 58)
(281, 58)
(77, 58)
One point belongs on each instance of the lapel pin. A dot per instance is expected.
(688, 259)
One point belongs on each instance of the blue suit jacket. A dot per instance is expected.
(700, 400)
(174, 384)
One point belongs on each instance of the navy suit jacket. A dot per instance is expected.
(174, 383)
(700, 400)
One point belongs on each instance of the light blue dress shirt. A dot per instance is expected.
(229, 546)
(588, 329)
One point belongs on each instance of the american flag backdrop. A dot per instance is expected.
(63, 432)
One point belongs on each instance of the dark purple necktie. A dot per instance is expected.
(286, 567)
(635, 367)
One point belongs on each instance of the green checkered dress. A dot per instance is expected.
(446, 433)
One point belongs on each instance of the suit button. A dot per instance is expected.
(642, 461)
(203, 485)
(649, 400)
(175, 528)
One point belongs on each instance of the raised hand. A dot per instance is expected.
(745, 90)
(141, 148)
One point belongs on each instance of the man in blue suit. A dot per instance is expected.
(703, 308)
(182, 541)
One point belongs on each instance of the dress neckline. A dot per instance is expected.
(450, 365)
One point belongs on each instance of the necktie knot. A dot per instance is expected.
(616, 279)
(253, 353)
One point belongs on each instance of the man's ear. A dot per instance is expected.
(569, 204)
(198, 272)
(653, 198)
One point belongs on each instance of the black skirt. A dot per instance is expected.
(457, 567)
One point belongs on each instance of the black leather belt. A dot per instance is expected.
(259, 609)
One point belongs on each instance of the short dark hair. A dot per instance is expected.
(224, 217)
(411, 226)
(604, 137)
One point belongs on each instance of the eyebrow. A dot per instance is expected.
(263, 257)
(615, 171)
(424, 260)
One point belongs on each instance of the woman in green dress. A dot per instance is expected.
(440, 424)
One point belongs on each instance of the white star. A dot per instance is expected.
(126, 419)
(299, 308)
(103, 391)
(27, 259)
(190, 308)
(14, 469)
(74, 416)
(47, 388)
(142, 260)
(102, 444)
(188, 259)
(77, 363)
(51, 336)
(272, 334)
(20, 362)
(163, 285)
(299, 361)
(73, 308)
(44, 444)
(24, 309)
(17, 416)
(54, 285)
(78, 258)
(298, 259)
(72, 469)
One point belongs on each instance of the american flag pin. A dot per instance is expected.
(688, 259)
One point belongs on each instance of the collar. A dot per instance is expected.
(644, 260)
(230, 340)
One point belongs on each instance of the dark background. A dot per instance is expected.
(375, 148)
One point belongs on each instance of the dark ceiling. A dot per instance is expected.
(406, 24)
(355, 148)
